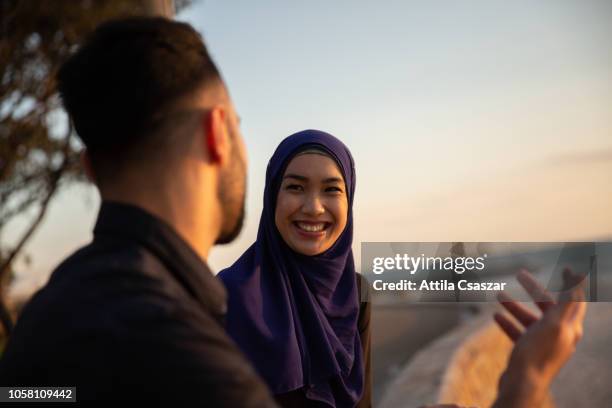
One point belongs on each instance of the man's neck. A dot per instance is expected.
(193, 220)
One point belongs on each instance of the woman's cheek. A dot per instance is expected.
(291, 205)
(287, 205)
(338, 209)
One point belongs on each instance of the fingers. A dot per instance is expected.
(507, 326)
(540, 296)
(570, 311)
(520, 313)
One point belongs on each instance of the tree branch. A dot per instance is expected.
(54, 178)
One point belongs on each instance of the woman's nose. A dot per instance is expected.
(313, 206)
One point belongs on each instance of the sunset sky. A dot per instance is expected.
(487, 122)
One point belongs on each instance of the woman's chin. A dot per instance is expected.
(308, 249)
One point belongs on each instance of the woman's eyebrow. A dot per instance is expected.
(333, 180)
(304, 178)
(295, 176)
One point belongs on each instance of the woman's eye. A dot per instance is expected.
(333, 190)
(294, 187)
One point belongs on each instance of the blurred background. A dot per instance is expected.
(485, 120)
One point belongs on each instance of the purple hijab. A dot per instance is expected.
(295, 316)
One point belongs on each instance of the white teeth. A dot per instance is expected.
(311, 227)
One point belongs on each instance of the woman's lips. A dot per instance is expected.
(309, 229)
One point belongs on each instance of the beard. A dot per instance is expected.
(231, 195)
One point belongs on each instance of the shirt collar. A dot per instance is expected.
(162, 240)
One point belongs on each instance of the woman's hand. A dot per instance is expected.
(544, 344)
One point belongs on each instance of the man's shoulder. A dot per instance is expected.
(108, 272)
(98, 284)
(105, 316)
(100, 296)
(106, 260)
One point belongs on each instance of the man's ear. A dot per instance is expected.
(217, 136)
(87, 166)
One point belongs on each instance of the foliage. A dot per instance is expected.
(38, 150)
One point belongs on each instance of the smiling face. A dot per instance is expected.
(312, 204)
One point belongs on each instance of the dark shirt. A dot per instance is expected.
(297, 398)
(134, 316)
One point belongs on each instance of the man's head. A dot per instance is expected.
(151, 108)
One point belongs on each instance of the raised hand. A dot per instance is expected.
(544, 343)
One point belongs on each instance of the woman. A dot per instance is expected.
(294, 296)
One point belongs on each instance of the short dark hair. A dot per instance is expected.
(127, 72)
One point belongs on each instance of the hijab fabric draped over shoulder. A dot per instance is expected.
(295, 316)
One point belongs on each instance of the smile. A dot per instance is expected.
(311, 226)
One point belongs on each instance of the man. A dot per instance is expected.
(136, 315)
